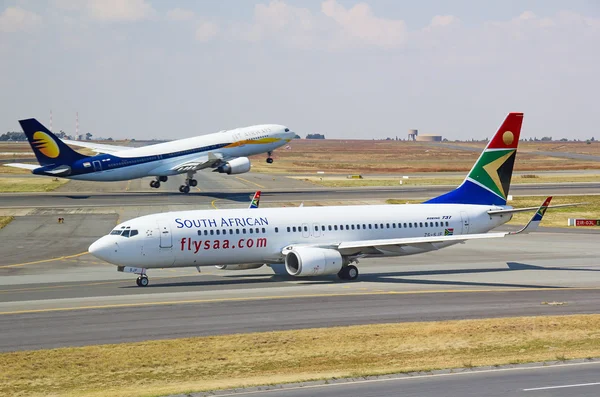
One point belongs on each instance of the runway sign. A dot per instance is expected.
(584, 222)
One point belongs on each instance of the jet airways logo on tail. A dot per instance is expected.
(45, 144)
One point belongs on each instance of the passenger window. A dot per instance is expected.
(218, 232)
(375, 226)
(294, 229)
(387, 225)
(352, 227)
(436, 224)
(447, 224)
(393, 225)
(405, 225)
(276, 230)
(251, 230)
(323, 228)
(410, 225)
(306, 228)
(230, 231)
(381, 225)
(288, 229)
(199, 232)
(420, 224)
(264, 230)
(206, 232)
(329, 227)
(426, 224)
(370, 226)
(243, 231)
(364, 226)
(347, 227)
(237, 231)
(212, 232)
(335, 227)
(316, 228)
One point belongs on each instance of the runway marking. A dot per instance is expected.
(44, 260)
(246, 180)
(213, 204)
(405, 378)
(128, 185)
(563, 386)
(274, 297)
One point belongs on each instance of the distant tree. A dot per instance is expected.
(546, 138)
(88, 136)
(445, 140)
(592, 139)
(13, 136)
(564, 140)
(297, 136)
(315, 136)
(109, 139)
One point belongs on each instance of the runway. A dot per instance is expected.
(79, 300)
(536, 380)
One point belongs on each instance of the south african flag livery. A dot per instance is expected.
(489, 180)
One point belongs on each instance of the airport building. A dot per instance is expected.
(413, 135)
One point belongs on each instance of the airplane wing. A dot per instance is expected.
(98, 147)
(25, 166)
(396, 244)
(199, 163)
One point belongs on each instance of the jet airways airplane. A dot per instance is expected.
(225, 152)
(313, 241)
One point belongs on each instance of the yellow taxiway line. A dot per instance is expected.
(247, 181)
(43, 260)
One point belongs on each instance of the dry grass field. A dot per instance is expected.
(205, 363)
(363, 156)
(30, 184)
(5, 220)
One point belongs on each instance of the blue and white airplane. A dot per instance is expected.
(225, 152)
(313, 241)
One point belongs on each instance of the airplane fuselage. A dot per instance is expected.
(223, 237)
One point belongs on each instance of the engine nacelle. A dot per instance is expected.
(235, 166)
(307, 261)
(245, 266)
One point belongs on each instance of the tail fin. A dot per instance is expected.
(255, 200)
(48, 149)
(489, 180)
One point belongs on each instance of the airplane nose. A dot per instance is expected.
(103, 249)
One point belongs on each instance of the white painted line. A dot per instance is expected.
(407, 378)
(563, 386)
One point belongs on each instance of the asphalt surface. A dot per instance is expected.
(538, 380)
(273, 195)
(79, 300)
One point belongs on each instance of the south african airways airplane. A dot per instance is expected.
(225, 152)
(313, 241)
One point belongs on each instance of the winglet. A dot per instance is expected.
(255, 200)
(536, 219)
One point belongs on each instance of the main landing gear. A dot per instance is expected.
(270, 159)
(189, 181)
(156, 183)
(142, 281)
(349, 272)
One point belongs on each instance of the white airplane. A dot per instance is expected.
(313, 241)
(225, 152)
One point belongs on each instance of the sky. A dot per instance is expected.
(347, 69)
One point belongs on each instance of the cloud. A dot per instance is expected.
(15, 19)
(332, 27)
(443, 20)
(206, 31)
(179, 14)
(118, 10)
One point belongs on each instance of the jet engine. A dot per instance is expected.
(236, 166)
(307, 261)
(245, 266)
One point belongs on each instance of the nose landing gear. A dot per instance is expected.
(269, 159)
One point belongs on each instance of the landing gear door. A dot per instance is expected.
(166, 239)
(465, 222)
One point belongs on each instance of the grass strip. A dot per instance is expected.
(5, 220)
(442, 180)
(30, 184)
(554, 217)
(207, 363)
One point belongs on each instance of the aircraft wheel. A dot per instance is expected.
(152, 183)
(185, 189)
(156, 184)
(270, 160)
(343, 274)
(352, 272)
(142, 281)
(163, 178)
(193, 182)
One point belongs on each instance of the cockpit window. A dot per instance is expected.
(124, 232)
(287, 130)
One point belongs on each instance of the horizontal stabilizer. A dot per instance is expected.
(98, 147)
(526, 209)
(24, 166)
